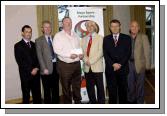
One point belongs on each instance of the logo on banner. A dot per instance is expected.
(80, 28)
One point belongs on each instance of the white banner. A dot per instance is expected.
(79, 16)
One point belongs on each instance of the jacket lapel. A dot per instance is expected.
(45, 44)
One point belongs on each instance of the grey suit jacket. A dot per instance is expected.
(44, 54)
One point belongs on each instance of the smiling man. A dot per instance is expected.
(117, 51)
(26, 58)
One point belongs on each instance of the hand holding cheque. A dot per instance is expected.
(76, 53)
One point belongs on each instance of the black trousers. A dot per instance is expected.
(117, 87)
(92, 80)
(31, 84)
(70, 77)
(51, 87)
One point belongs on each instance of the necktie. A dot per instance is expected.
(115, 40)
(51, 48)
(89, 45)
(29, 45)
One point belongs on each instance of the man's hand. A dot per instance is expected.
(34, 71)
(46, 72)
(87, 63)
(81, 56)
(116, 66)
(73, 56)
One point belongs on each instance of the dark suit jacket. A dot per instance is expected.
(26, 58)
(119, 54)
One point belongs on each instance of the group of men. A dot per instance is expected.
(52, 58)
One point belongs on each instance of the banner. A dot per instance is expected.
(79, 16)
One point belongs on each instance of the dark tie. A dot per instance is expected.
(89, 45)
(51, 48)
(29, 45)
(115, 40)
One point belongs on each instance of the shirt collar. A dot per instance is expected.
(67, 33)
(46, 36)
(93, 35)
(116, 35)
(25, 40)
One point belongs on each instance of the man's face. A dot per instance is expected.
(47, 29)
(67, 24)
(115, 28)
(134, 27)
(27, 33)
(90, 28)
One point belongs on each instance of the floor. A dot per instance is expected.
(149, 91)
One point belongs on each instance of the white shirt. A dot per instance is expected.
(46, 36)
(64, 43)
(116, 35)
(25, 40)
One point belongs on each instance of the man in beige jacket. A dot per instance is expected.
(93, 63)
(138, 63)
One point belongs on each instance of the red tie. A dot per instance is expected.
(89, 45)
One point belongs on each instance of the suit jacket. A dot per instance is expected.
(142, 53)
(95, 55)
(26, 58)
(119, 54)
(44, 54)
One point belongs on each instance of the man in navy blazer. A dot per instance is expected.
(117, 51)
(26, 58)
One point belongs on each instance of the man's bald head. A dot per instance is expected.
(134, 27)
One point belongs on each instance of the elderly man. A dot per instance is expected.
(66, 45)
(138, 63)
(93, 63)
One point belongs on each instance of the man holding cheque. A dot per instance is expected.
(66, 45)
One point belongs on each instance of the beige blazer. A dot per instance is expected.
(95, 55)
(142, 54)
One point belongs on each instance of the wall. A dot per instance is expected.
(122, 13)
(15, 18)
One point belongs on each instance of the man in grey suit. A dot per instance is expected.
(47, 61)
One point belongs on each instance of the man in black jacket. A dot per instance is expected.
(117, 51)
(26, 58)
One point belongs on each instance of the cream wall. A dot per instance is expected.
(15, 18)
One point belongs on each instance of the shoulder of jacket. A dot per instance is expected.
(142, 36)
(39, 38)
(108, 36)
(17, 44)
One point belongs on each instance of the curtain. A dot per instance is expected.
(107, 18)
(47, 12)
(137, 13)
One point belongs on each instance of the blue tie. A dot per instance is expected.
(51, 48)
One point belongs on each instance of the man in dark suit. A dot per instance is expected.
(47, 60)
(117, 51)
(26, 58)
